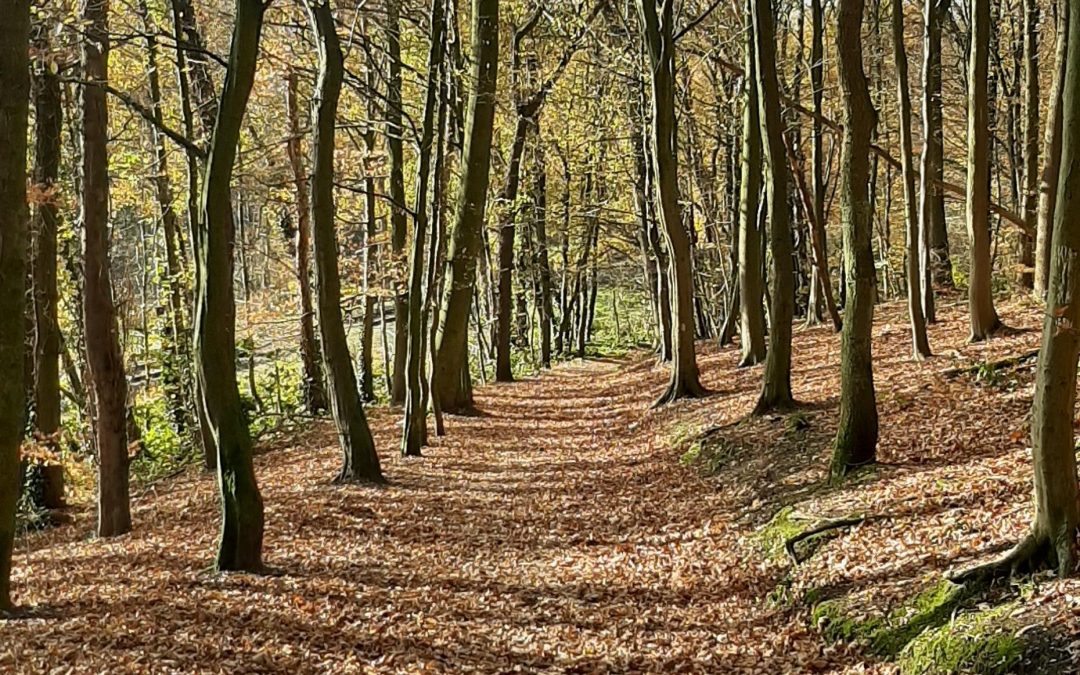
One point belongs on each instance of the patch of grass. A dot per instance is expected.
(980, 642)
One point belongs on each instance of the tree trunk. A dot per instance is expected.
(1052, 151)
(48, 116)
(751, 284)
(359, 461)
(105, 360)
(920, 344)
(14, 109)
(660, 46)
(415, 426)
(543, 303)
(983, 316)
(936, 264)
(857, 432)
(452, 362)
(507, 216)
(776, 391)
(398, 224)
(240, 545)
(312, 387)
(819, 277)
(1030, 134)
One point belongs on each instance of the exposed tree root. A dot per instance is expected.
(680, 389)
(821, 528)
(1007, 362)
(1030, 554)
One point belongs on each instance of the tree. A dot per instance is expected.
(360, 461)
(1030, 140)
(920, 344)
(240, 544)
(1051, 541)
(656, 23)
(857, 432)
(314, 395)
(776, 390)
(14, 109)
(398, 221)
(1052, 155)
(751, 285)
(983, 316)
(935, 264)
(414, 433)
(103, 355)
(452, 377)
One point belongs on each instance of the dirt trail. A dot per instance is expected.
(554, 532)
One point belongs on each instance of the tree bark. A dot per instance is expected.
(359, 459)
(398, 223)
(776, 391)
(1052, 155)
(104, 358)
(751, 284)
(660, 46)
(1030, 134)
(919, 343)
(983, 317)
(453, 388)
(48, 116)
(14, 109)
(313, 393)
(935, 263)
(857, 432)
(240, 545)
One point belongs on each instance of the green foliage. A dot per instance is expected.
(783, 526)
(165, 450)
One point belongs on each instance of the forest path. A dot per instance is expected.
(556, 531)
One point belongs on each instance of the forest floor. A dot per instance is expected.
(570, 528)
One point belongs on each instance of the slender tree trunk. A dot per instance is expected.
(398, 224)
(14, 109)
(983, 316)
(452, 362)
(240, 546)
(857, 432)
(936, 263)
(507, 228)
(819, 276)
(919, 342)
(751, 283)
(1030, 134)
(312, 386)
(660, 46)
(359, 460)
(415, 426)
(1052, 154)
(776, 391)
(543, 262)
(48, 115)
(104, 357)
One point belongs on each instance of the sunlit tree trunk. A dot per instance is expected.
(857, 432)
(240, 545)
(451, 379)
(776, 390)
(359, 461)
(103, 355)
(935, 263)
(1051, 155)
(920, 344)
(14, 109)
(983, 316)
(660, 46)
(751, 284)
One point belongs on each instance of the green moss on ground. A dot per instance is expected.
(982, 642)
(783, 526)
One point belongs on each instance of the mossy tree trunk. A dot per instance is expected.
(451, 380)
(360, 461)
(776, 390)
(14, 110)
(751, 284)
(240, 544)
(657, 17)
(983, 317)
(919, 342)
(103, 354)
(857, 433)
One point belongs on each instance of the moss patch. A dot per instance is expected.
(981, 642)
(783, 526)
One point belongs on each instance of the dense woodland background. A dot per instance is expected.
(226, 223)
